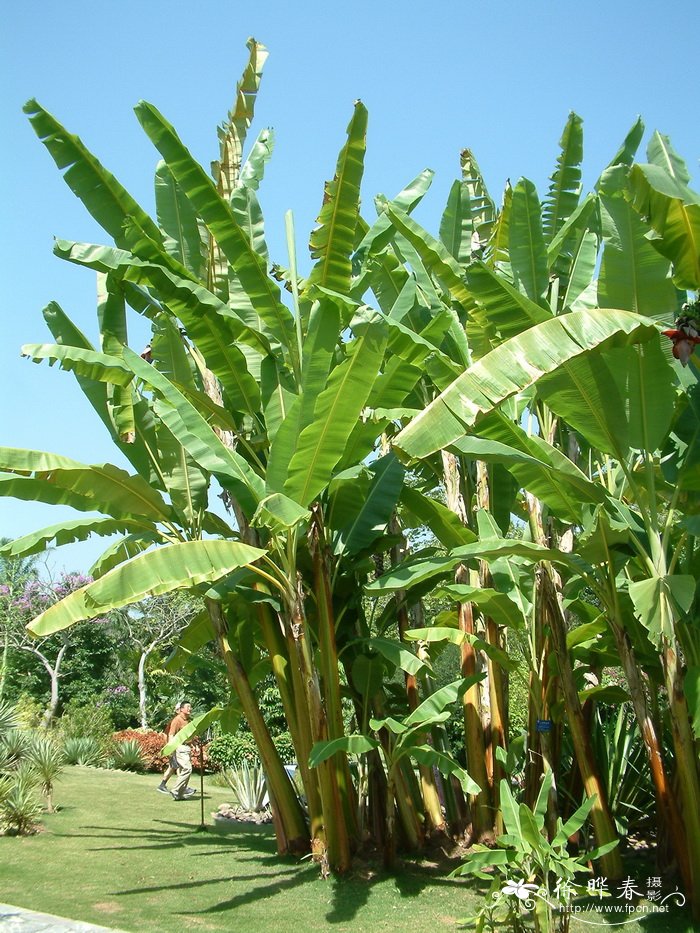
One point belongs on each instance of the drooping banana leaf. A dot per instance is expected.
(168, 568)
(109, 488)
(444, 524)
(539, 467)
(673, 211)
(99, 367)
(27, 489)
(196, 436)
(77, 529)
(414, 572)
(502, 311)
(202, 313)
(333, 241)
(108, 202)
(279, 513)
(632, 274)
(359, 512)
(512, 367)
(621, 398)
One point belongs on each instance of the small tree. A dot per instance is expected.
(153, 625)
(20, 601)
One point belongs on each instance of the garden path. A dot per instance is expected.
(19, 920)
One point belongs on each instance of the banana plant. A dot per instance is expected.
(398, 740)
(235, 389)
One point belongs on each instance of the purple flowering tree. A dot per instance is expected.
(20, 601)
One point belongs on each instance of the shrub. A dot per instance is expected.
(285, 748)
(21, 807)
(126, 756)
(14, 747)
(230, 751)
(91, 721)
(84, 750)
(8, 718)
(30, 711)
(150, 746)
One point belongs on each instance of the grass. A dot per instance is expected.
(119, 854)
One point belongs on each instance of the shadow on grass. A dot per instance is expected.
(171, 834)
(351, 894)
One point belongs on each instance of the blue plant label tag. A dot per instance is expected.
(544, 725)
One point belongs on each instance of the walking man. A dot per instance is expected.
(183, 756)
(172, 765)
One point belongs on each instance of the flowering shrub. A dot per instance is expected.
(152, 743)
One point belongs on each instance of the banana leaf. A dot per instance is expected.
(218, 216)
(168, 568)
(109, 488)
(108, 202)
(565, 188)
(178, 221)
(526, 243)
(321, 443)
(77, 529)
(333, 241)
(632, 274)
(513, 367)
(673, 211)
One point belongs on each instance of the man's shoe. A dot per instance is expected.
(162, 788)
(190, 792)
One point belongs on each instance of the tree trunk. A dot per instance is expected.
(292, 832)
(143, 694)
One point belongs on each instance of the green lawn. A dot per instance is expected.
(122, 855)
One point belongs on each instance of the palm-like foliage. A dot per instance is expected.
(47, 759)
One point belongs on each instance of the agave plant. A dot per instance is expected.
(126, 756)
(83, 750)
(14, 747)
(20, 808)
(248, 783)
(8, 718)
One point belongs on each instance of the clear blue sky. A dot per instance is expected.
(497, 77)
